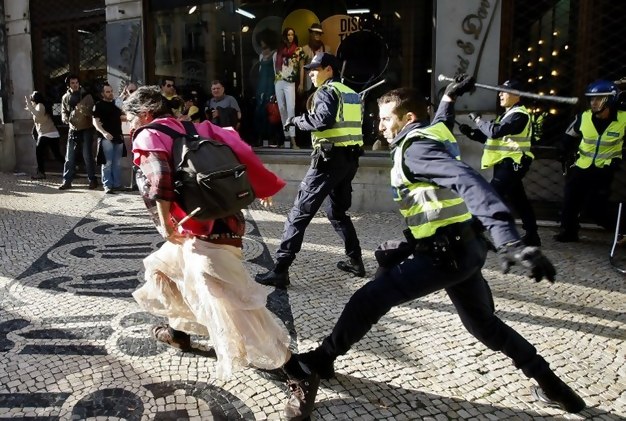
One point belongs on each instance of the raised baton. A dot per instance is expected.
(553, 98)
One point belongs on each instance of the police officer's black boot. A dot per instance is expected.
(319, 362)
(566, 236)
(552, 391)
(531, 238)
(277, 277)
(354, 265)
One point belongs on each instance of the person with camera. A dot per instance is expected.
(334, 120)
(223, 110)
(507, 143)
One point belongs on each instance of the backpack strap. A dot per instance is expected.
(161, 128)
(190, 128)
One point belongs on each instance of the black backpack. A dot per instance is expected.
(207, 174)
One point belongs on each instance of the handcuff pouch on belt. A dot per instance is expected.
(321, 155)
(393, 252)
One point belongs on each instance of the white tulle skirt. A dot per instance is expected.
(205, 289)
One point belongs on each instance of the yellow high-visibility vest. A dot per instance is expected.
(599, 150)
(347, 130)
(425, 206)
(509, 146)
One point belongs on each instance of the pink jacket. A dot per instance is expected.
(264, 182)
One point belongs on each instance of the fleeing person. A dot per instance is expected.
(197, 279)
(334, 120)
(597, 136)
(507, 142)
(44, 131)
(76, 111)
(445, 204)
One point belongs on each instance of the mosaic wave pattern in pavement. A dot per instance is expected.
(74, 345)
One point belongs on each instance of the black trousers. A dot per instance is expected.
(41, 149)
(421, 275)
(330, 179)
(507, 182)
(588, 189)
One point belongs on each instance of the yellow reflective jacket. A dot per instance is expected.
(509, 146)
(426, 206)
(347, 130)
(599, 150)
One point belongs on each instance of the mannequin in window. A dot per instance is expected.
(289, 70)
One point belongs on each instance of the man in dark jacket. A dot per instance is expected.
(334, 120)
(445, 204)
(507, 143)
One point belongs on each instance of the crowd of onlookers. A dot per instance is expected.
(95, 118)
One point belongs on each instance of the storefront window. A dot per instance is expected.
(197, 42)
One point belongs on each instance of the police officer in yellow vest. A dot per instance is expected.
(334, 120)
(599, 133)
(445, 203)
(507, 150)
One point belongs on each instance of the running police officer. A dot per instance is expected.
(445, 203)
(507, 150)
(334, 119)
(599, 134)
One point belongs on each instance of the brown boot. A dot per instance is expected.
(174, 338)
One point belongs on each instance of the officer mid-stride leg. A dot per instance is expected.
(435, 191)
(508, 182)
(331, 179)
(334, 118)
(460, 275)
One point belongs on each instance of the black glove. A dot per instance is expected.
(288, 123)
(529, 257)
(473, 134)
(474, 116)
(466, 130)
(462, 84)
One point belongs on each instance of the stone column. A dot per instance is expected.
(17, 148)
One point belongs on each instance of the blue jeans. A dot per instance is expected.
(111, 170)
(74, 139)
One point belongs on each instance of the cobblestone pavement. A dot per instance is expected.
(74, 345)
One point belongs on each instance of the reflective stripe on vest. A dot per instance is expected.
(425, 206)
(441, 133)
(599, 150)
(347, 130)
(509, 146)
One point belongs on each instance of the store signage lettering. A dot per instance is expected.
(472, 25)
(349, 25)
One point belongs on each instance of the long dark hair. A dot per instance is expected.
(38, 98)
(295, 37)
